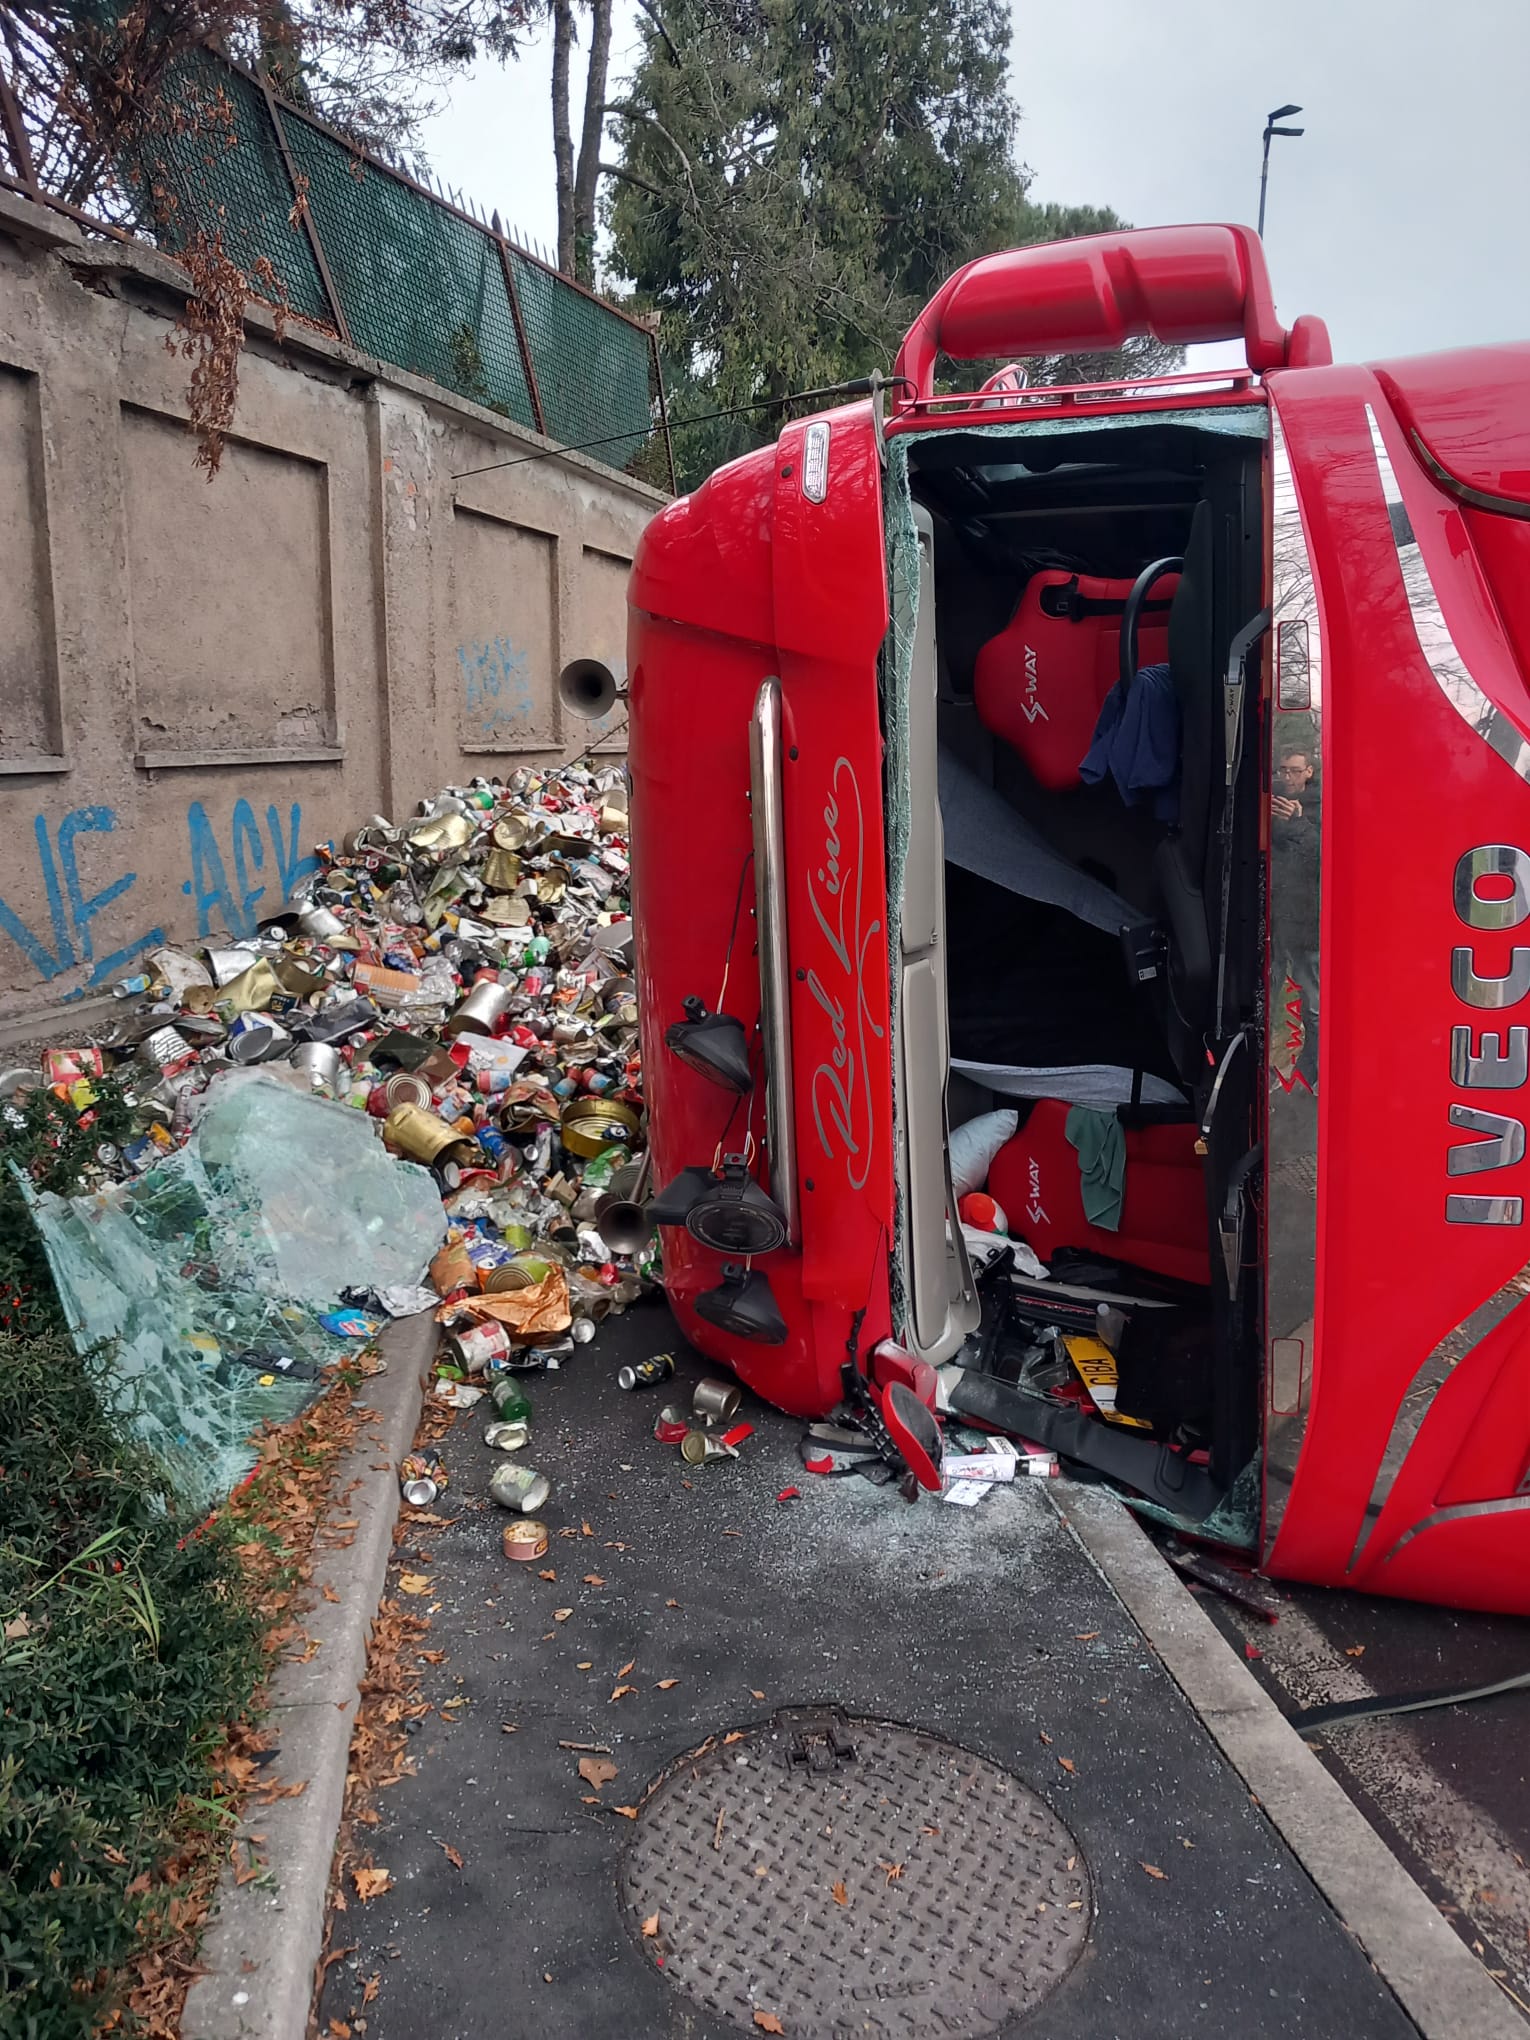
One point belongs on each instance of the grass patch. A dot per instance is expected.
(128, 1648)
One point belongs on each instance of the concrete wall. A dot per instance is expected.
(200, 680)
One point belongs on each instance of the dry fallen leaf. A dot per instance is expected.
(370, 1989)
(671, 1604)
(894, 1871)
(755, 1693)
(562, 1614)
(666, 1684)
(626, 1668)
(593, 1579)
(1043, 1734)
(596, 1771)
(1355, 1650)
(734, 1735)
(371, 1883)
(585, 1530)
(768, 2022)
(548, 1574)
(630, 1812)
(650, 1926)
(1153, 1870)
(585, 1665)
(618, 1691)
(329, 1592)
(1067, 1764)
(841, 1896)
(414, 1583)
(450, 1854)
(1085, 1635)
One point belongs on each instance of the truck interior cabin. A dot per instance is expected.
(1093, 580)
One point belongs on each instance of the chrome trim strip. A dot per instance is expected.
(1457, 1513)
(1418, 1398)
(1478, 499)
(1479, 714)
(1291, 1022)
(770, 920)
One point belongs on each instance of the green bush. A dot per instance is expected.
(128, 1644)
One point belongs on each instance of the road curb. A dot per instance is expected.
(264, 1937)
(1436, 1979)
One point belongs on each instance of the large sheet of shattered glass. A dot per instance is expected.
(208, 1273)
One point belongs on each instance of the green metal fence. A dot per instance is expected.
(356, 246)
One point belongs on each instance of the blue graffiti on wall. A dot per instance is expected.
(496, 686)
(73, 918)
(219, 907)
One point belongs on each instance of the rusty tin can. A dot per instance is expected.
(647, 1373)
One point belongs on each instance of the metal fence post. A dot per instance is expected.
(16, 135)
(310, 225)
(669, 438)
(528, 366)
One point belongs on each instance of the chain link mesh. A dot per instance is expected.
(417, 284)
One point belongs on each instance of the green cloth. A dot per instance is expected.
(1101, 1144)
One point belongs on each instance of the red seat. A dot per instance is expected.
(1163, 1208)
(1040, 684)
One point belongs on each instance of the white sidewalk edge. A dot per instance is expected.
(264, 1937)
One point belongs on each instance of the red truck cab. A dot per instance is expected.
(1149, 763)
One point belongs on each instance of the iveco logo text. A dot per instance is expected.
(1031, 707)
(1491, 1062)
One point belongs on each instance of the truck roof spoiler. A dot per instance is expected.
(1180, 284)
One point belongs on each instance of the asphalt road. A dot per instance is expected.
(717, 1604)
(1449, 1789)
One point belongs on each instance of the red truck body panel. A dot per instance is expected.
(1396, 1391)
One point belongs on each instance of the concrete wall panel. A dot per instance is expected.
(199, 681)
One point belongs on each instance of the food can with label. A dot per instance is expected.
(525, 1541)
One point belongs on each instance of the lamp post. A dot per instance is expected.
(1280, 113)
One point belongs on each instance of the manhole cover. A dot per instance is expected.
(850, 1879)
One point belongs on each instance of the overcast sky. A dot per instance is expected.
(1402, 215)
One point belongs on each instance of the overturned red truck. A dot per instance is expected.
(1148, 764)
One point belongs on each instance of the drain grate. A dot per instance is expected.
(856, 1880)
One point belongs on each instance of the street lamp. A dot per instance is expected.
(1280, 113)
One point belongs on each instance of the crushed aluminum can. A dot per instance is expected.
(698, 1448)
(506, 1437)
(671, 1424)
(524, 1541)
(253, 1037)
(647, 1373)
(514, 1486)
(716, 1402)
(228, 964)
(319, 924)
(168, 1049)
(421, 1477)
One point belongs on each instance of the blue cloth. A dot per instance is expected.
(1136, 741)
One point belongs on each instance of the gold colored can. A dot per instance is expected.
(496, 1281)
(502, 871)
(421, 1135)
(590, 1125)
(525, 1541)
